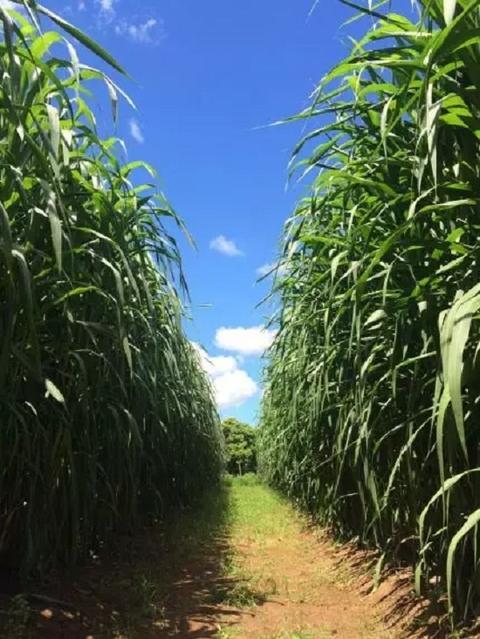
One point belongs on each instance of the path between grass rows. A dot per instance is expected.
(242, 565)
(278, 581)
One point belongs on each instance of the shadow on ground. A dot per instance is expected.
(168, 581)
(400, 608)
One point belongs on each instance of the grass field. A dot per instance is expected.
(108, 420)
(371, 409)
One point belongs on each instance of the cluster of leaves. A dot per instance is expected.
(370, 416)
(106, 417)
(240, 442)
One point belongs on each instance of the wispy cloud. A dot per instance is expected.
(136, 132)
(107, 8)
(224, 246)
(246, 341)
(137, 27)
(151, 31)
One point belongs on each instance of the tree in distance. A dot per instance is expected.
(240, 442)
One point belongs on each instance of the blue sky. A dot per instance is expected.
(207, 77)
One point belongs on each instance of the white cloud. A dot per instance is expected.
(106, 8)
(232, 386)
(215, 366)
(6, 4)
(246, 341)
(274, 268)
(149, 32)
(136, 131)
(137, 28)
(224, 246)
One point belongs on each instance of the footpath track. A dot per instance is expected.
(243, 564)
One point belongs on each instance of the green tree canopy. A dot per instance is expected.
(240, 440)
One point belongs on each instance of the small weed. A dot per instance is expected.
(243, 595)
(225, 633)
(229, 568)
(239, 594)
(145, 595)
(269, 586)
(144, 598)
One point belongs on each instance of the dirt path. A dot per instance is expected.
(243, 565)
(303, 590)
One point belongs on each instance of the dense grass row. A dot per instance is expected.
(372, 409)
(106, 418)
